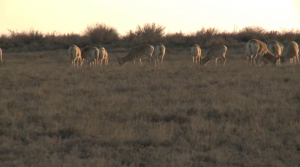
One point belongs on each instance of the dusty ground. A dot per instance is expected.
(177, 114)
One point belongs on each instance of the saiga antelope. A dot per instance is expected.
(215, 53)
(90, 54)
(103, 56)
(196, 53)
(75, 54)
(257, 49)
(138, 52)
(159, 52)
(292, 53)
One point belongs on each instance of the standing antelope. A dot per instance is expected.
(215, 53)
(90, 54)
(257, 49)
(138, 52)
(75, 54)
(159, 52)
(196, 53)
(291, 53)
(103, 56)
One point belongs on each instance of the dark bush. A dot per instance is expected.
(175, 39)
(149, 33)
(26, 38)
(248, 33)
(101, 34)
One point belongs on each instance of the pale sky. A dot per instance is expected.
(67, 16)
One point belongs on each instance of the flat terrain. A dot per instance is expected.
(177, 114)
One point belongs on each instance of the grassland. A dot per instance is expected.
(177, 114)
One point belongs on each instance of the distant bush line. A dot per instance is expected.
(152, 33)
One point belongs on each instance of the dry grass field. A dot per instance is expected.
(177, 114)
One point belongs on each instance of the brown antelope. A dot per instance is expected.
(159, 52)
(292, 53)
(90, 54)
(75, 54)
(103, 56)
(257, 49)
(215, 53)
(196, 53)
(138, 52)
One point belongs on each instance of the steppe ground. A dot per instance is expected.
(177, 114)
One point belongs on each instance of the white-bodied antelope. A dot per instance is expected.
(292, 53)
(138, 52)
(75, 53)
(257, 49)
(159, 52)
(275, 48)
(215, 53)
(90, 54)
(103, 56)
(196, 53)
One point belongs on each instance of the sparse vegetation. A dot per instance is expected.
(177, 114)
(152, 33)
(149, 33)
(101, 34)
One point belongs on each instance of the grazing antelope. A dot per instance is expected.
(103, 56)
(159, 52)
(75, 54)
(138, 52)
(275, 48)
(257, 49)
(90, 54)
(215, 53)
(196, 53)
(292, 53)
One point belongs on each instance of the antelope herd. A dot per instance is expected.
(257, 49)
(273, 52)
